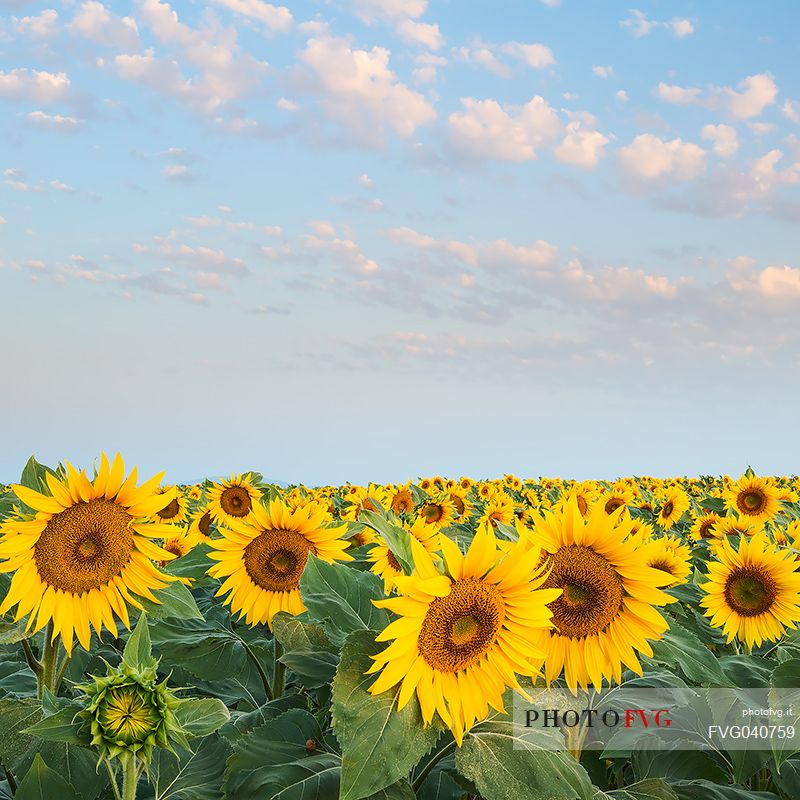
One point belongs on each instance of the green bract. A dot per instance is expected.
(129, 712)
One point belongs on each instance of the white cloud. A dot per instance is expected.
(791, 110)
(535, 55)
(372, 10)
(485, 129)
(420, 33)
(766, 175)
(550, 3)
(325, 241)
(639, 25)
(678, 95)
(286, 105)
(360, 91)
(93, 21)
(602, 72)
(581, 148)
(2, 220)
(33, 85)
(366, 181)
(780, 281)
(178, 173)
(42, 26)
(724, 138)
(757, 92)
(680, 27)
(54, 122)
(225, 72)
(276, 18)
(427, 66)
(649, 158)
(621, 96)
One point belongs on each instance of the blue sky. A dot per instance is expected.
(375, 239)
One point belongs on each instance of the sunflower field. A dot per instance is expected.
(237, 639)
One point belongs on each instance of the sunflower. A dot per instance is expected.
(401, 500)
(461, 505)
(499, 508)
(586, 494)
(672, 505)
(672, 556)
(182, 542)
(233, 500)
(86, 552)
(383, 559)
(606, 611)
(739, 526)
(461, 636)
(754, 498)
(753, 593)
(706, 526)
(438, 512)
(201, 523)
(174, 512)
(262, 559)
(617, 497)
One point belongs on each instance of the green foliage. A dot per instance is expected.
(506, 764)
(379, 743)
(340, 599)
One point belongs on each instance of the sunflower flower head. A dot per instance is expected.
(260, 560)
(86, 551)
(753, 591)
(463, 634)
(128, 711)
(607, 610)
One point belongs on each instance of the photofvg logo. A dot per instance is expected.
(624, 719)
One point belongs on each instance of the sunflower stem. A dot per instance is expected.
(130, 777)
(33, 662)
(61, 670)
(278, 672)
(420, 779)
(113, 778)
(49, 657)
(263, 675)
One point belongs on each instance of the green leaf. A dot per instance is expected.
(206, 650)
(190, 776)
(43, 783)
(176, 602)
(201, 716)
(650, 789)
(63, 726)
(397, 539)
(16, 716)
(138, 653)
(676, 764)
(278, 760)
(506, 764)
(788, 779)
(785, 677)
(747, 670)
(12, 632)
(683, 649)
(379, 744)
(18, 749)
(706, 790)
(194, 564)
(340, 598)
(34, 476)
(397, 791)
(307, 650)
